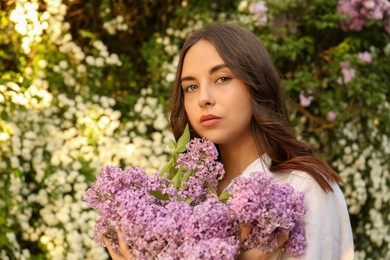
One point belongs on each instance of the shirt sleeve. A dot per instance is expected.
(326, 222)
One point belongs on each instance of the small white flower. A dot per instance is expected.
(160, 123)
(104, 53)
(81, 68)
(99, 62)
(63, 64)
(166, 41)
(42, 63)
(141, 127)
(169, 31)
(99, 45)
(120, 19)
(79, 55)
(170, 77)
(90, 60)
(242, 6)
(4, 136)
(56, 69)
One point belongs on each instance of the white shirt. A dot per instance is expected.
(326, 222)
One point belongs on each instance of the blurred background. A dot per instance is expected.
(84, 83)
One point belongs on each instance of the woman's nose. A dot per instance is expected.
(206, 97)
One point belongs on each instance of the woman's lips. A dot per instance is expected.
(209, 120)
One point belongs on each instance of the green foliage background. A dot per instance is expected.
(85, 83)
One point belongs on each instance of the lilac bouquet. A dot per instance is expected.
(177, 214)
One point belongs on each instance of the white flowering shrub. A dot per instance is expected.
(85, 84)
(54, 148)
(57, 132)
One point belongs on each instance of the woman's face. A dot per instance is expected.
(217, 103)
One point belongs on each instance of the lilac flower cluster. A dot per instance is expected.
(270, 210)
(365, 57)
(305, 99)
(347, 71)
(159, 220)
(155, 228)
(358, 12)
(259, 10)
(117, 194)
(201, 160)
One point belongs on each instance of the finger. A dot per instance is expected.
(124, 248)
(283, 237)
(245, 230)
(113, 254)
(253, 254)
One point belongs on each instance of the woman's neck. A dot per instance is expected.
(236, 157)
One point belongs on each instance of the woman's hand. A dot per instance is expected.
(256, 253)
(251, 254)
(125, 253)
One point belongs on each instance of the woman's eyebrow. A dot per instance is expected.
(188, 78)
(218, 67)
(211, 71)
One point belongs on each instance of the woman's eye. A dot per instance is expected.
(190, 88)
(223, 79)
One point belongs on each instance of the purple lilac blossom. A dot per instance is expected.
(305, 99)
(206, 233)
(358, 12)
(205, 229)
(347, 72)
(103, 197)
(213, 249)
(267, 208)
(331, 116)
(259, 10)
(177, 226)
(153, 228)
(296, 243)
(365, 57)
(201, 158)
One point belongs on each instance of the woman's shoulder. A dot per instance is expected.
(300, 180)
(295, 178)
(304, 182)
(295, 175)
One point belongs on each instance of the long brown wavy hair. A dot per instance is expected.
(249, 60)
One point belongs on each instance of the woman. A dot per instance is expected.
(228, 90)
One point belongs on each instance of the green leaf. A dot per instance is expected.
(87, 34)
(4, 115)
(176, 181)
(172, 173)
(159, 195)
(166, 167)
(211, 188)
(189, 201)
(224, 196)
(187, 175)
(4, 81)
(181, 149)
(172, 144)
(183, 140)
(5, 55)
